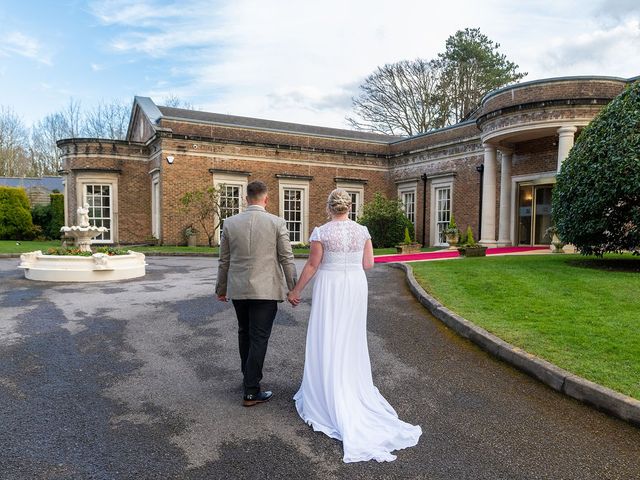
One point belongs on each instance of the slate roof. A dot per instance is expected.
(273, 125)
(50, 183)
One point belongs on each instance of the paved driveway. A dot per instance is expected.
(140, 379)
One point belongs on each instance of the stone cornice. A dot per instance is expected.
(523, 107)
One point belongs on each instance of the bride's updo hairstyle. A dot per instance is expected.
(339, 202)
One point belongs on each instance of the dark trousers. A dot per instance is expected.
(255, 319)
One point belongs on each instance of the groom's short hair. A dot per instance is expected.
(256, 190)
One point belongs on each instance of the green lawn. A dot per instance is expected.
(585, 320)
(11, 246)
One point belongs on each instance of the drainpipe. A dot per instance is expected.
(424, 205)
(480, 170)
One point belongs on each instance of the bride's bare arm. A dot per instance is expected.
(367, 256)
(309, 270)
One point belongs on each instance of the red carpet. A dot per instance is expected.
(440, 254)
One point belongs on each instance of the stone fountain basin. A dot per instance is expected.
(99, 267)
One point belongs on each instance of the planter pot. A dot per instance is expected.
(556, 244)
(477, 251)
(409, 248)
(192, 241)
(452, 240)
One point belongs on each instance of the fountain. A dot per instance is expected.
(84, 232)
(98, 267)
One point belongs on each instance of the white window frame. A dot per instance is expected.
(155, 205)
(436, 184)
(232, 180)
(409, 188)
(93, 178)
(290, 183)
(356, 189)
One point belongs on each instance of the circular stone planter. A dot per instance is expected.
(98, 267)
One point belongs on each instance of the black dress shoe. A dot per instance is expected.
(261, 397)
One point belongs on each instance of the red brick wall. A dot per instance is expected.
(190, 171)
(273, 138)
(131, 161)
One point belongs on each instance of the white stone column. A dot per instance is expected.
(565, 142)
(504, 235)
(488, 234)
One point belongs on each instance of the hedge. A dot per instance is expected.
(15, 214)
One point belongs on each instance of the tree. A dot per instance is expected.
(399, 99)
(204, 205)
(412, 97)
(596, 200)
(174, 101)
(386, 221)
(45, 154)
(14, 141)
(471, 66)
(108, 120)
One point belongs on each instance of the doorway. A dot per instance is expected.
(534, 214)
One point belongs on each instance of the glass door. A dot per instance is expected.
(543, 215)
(443, 213)
(534, 214)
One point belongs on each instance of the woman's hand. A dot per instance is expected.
(294, 298)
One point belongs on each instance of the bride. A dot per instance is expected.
(337, 395)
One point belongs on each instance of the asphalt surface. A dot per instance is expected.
(140, 379)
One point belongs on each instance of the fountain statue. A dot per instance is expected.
(83, 232)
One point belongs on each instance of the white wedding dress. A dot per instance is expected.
(337, 395)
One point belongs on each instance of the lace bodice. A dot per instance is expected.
(342, 241)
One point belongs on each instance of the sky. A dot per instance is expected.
(292, 60)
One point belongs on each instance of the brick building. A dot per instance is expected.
(494, 172)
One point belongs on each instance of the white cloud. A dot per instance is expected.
(302, 61)
(17, 43)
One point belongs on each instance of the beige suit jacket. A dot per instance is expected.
(255, 257)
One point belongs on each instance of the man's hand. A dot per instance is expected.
(293, 298)
(223, 298)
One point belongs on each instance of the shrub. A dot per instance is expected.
(407, 237)
(596, 201)
(112, 250)
(67, 251)
(57, 215)
(452, 228)
(469, 240)
(386, 221)
(15, 214)
(41, 218)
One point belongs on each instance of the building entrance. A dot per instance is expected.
(534, 214)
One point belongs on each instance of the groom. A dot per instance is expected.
(255, 260)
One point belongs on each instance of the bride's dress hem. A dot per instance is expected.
(380, 455)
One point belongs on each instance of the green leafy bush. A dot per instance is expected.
(76, 251)
(41, 218)
(386, 221)
(67, 251)
(407, 237)
(15, 215)
(57, 215)
(468, 238)
(112, 250)
(596, 201)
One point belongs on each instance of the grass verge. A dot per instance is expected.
(580, 314)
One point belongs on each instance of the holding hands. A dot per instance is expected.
(293, 297)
